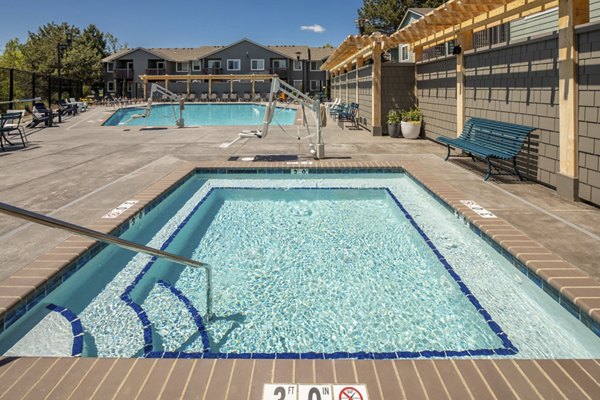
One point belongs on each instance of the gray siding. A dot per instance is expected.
(436, 94)
(536, 25)
(589, 107)
(519, 84)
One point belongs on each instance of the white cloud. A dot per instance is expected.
(315, 28)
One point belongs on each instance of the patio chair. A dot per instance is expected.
(81, 105)
(40, 114)
(225, 97)
(204, 97)
(18, 125)
(213, 97)
(247, 97)
(257, 97)
(10, 122)
(192, 97)
(233, 97)
(66, 109)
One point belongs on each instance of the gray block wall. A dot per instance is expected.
(397, 89)
(518, 83)
(589, 108)
(436, 95)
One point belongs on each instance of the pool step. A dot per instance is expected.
(176, 323)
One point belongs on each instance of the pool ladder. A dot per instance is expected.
(108, 239)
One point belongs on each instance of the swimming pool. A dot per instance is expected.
(201, 115)
(326, 266)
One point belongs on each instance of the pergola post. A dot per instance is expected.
(188, 87)
(167, 82)
(570, 14)
(465, 41)
(359, 65)
(230, 86)
(145, 87)
(253, 86)
(376, 90)
(209, 87)
(348, 69)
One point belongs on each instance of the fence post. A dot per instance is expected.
(49, 90)
(33, 85)
(11, 87)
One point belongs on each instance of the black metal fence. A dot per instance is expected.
(16, 85)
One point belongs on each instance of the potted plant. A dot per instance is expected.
(393, 122)
(411, 123)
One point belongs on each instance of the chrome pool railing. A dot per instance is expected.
(108, 239)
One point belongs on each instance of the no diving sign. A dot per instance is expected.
(287, 391)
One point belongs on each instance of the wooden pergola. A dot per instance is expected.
(210, 78)
(458, 20)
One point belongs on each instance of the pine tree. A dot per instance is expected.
(385, 15)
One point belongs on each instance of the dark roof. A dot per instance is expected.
(188, 54)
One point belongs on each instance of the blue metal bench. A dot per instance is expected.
(489, 140)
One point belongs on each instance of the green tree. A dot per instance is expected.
(81, 60)
(12, 57)
(385, 15)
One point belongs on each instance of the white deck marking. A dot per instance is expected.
(478, 209)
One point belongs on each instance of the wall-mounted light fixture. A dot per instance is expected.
(456, 50)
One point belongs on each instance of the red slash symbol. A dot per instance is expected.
(349, 393)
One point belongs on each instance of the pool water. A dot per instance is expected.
(327, 266)
(201, 115)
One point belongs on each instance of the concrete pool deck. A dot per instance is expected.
(80, 171)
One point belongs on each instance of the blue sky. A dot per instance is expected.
(187, 23)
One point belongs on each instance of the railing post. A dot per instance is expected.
(32, 87)
(11, 87)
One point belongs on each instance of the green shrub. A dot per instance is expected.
(411, 115)
(393, 117)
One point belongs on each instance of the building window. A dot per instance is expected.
(491, 36)
(315, 86)
(298, 84)
(110, 67)
(160, 65)
(297, 65)
(233, 65)
(182, 66)
(404, 54)
(279, 64)
(196, 65)
(110, 86)
(315, 65)
(213, 63)
(257, 65)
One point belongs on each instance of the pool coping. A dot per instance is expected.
(572, 288)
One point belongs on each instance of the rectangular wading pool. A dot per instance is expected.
(320, 266)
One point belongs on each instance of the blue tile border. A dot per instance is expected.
(76, 327)
(507, 347)
(574, 309)
(13, 314)
(198, 321)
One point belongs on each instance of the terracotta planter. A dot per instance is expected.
(411, 130)
(394, 130)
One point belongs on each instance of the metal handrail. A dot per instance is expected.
(108, 239)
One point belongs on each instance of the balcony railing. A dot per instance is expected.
(156, 71)
(123, 73)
